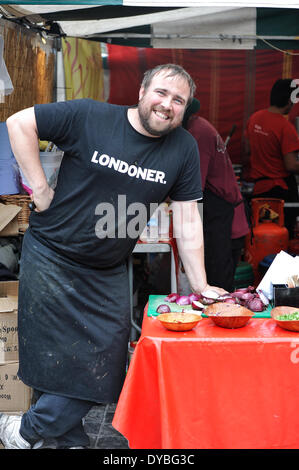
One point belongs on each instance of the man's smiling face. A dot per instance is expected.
(162, 105)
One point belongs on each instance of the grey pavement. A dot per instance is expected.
(101, 433)
(97, 425)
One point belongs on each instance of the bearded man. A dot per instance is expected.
(74, 312)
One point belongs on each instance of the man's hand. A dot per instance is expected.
(218, 290)
(187, 228)
(42, 198)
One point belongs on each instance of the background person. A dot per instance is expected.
(224, 219)
(74, 312)
(272, 148)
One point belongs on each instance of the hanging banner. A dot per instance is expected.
(84, 76)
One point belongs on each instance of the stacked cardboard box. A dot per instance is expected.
(15, 396)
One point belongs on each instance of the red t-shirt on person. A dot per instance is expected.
(216, 170)
(271, 136)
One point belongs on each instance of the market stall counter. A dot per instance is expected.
(212, 388)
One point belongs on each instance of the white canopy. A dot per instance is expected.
(203, 24)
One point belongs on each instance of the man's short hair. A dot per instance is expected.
(281, 92)
(174, 70)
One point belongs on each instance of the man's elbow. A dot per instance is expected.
(23, 121)
(13, 128)
(10, 122)
(14, 121)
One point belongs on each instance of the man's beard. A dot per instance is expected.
(144, 116)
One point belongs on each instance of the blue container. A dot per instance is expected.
(9, 170)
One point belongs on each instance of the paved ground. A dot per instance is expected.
(102, 435)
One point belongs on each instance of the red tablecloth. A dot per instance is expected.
(212, 388)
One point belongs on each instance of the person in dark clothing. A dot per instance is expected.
(74, 295)
(224, 220)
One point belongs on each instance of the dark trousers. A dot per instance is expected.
(56, 417)
(217, 225)
(237, 247)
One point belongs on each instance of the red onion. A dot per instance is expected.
(183, 300)
(230, 300)
(196, 305)
(207, 301)
(163, 308)
(255, 304)
(243, 290)
(238, 294)
(248, 296)
(171, 297)
(221, 298)
(193, 297)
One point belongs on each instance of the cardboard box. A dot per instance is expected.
(9, 347)
(15, 396)
(9, 225)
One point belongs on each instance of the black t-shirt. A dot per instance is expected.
(109, 177)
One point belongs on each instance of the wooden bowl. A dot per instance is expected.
(228, 315)
(179, 321)
(292, 325)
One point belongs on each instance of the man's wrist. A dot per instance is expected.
(40, 189)
(200, 289)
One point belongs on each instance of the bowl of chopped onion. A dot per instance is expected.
(179, 321)
(229, 315)
(286, 317)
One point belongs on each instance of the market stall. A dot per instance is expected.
(211, 388)
(208, 387)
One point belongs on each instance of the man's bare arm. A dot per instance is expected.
(188, 231)
(22, 131)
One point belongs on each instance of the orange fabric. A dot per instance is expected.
(212, 388)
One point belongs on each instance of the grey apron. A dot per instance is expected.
(73, 325)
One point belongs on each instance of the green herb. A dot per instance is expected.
(289, 316)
